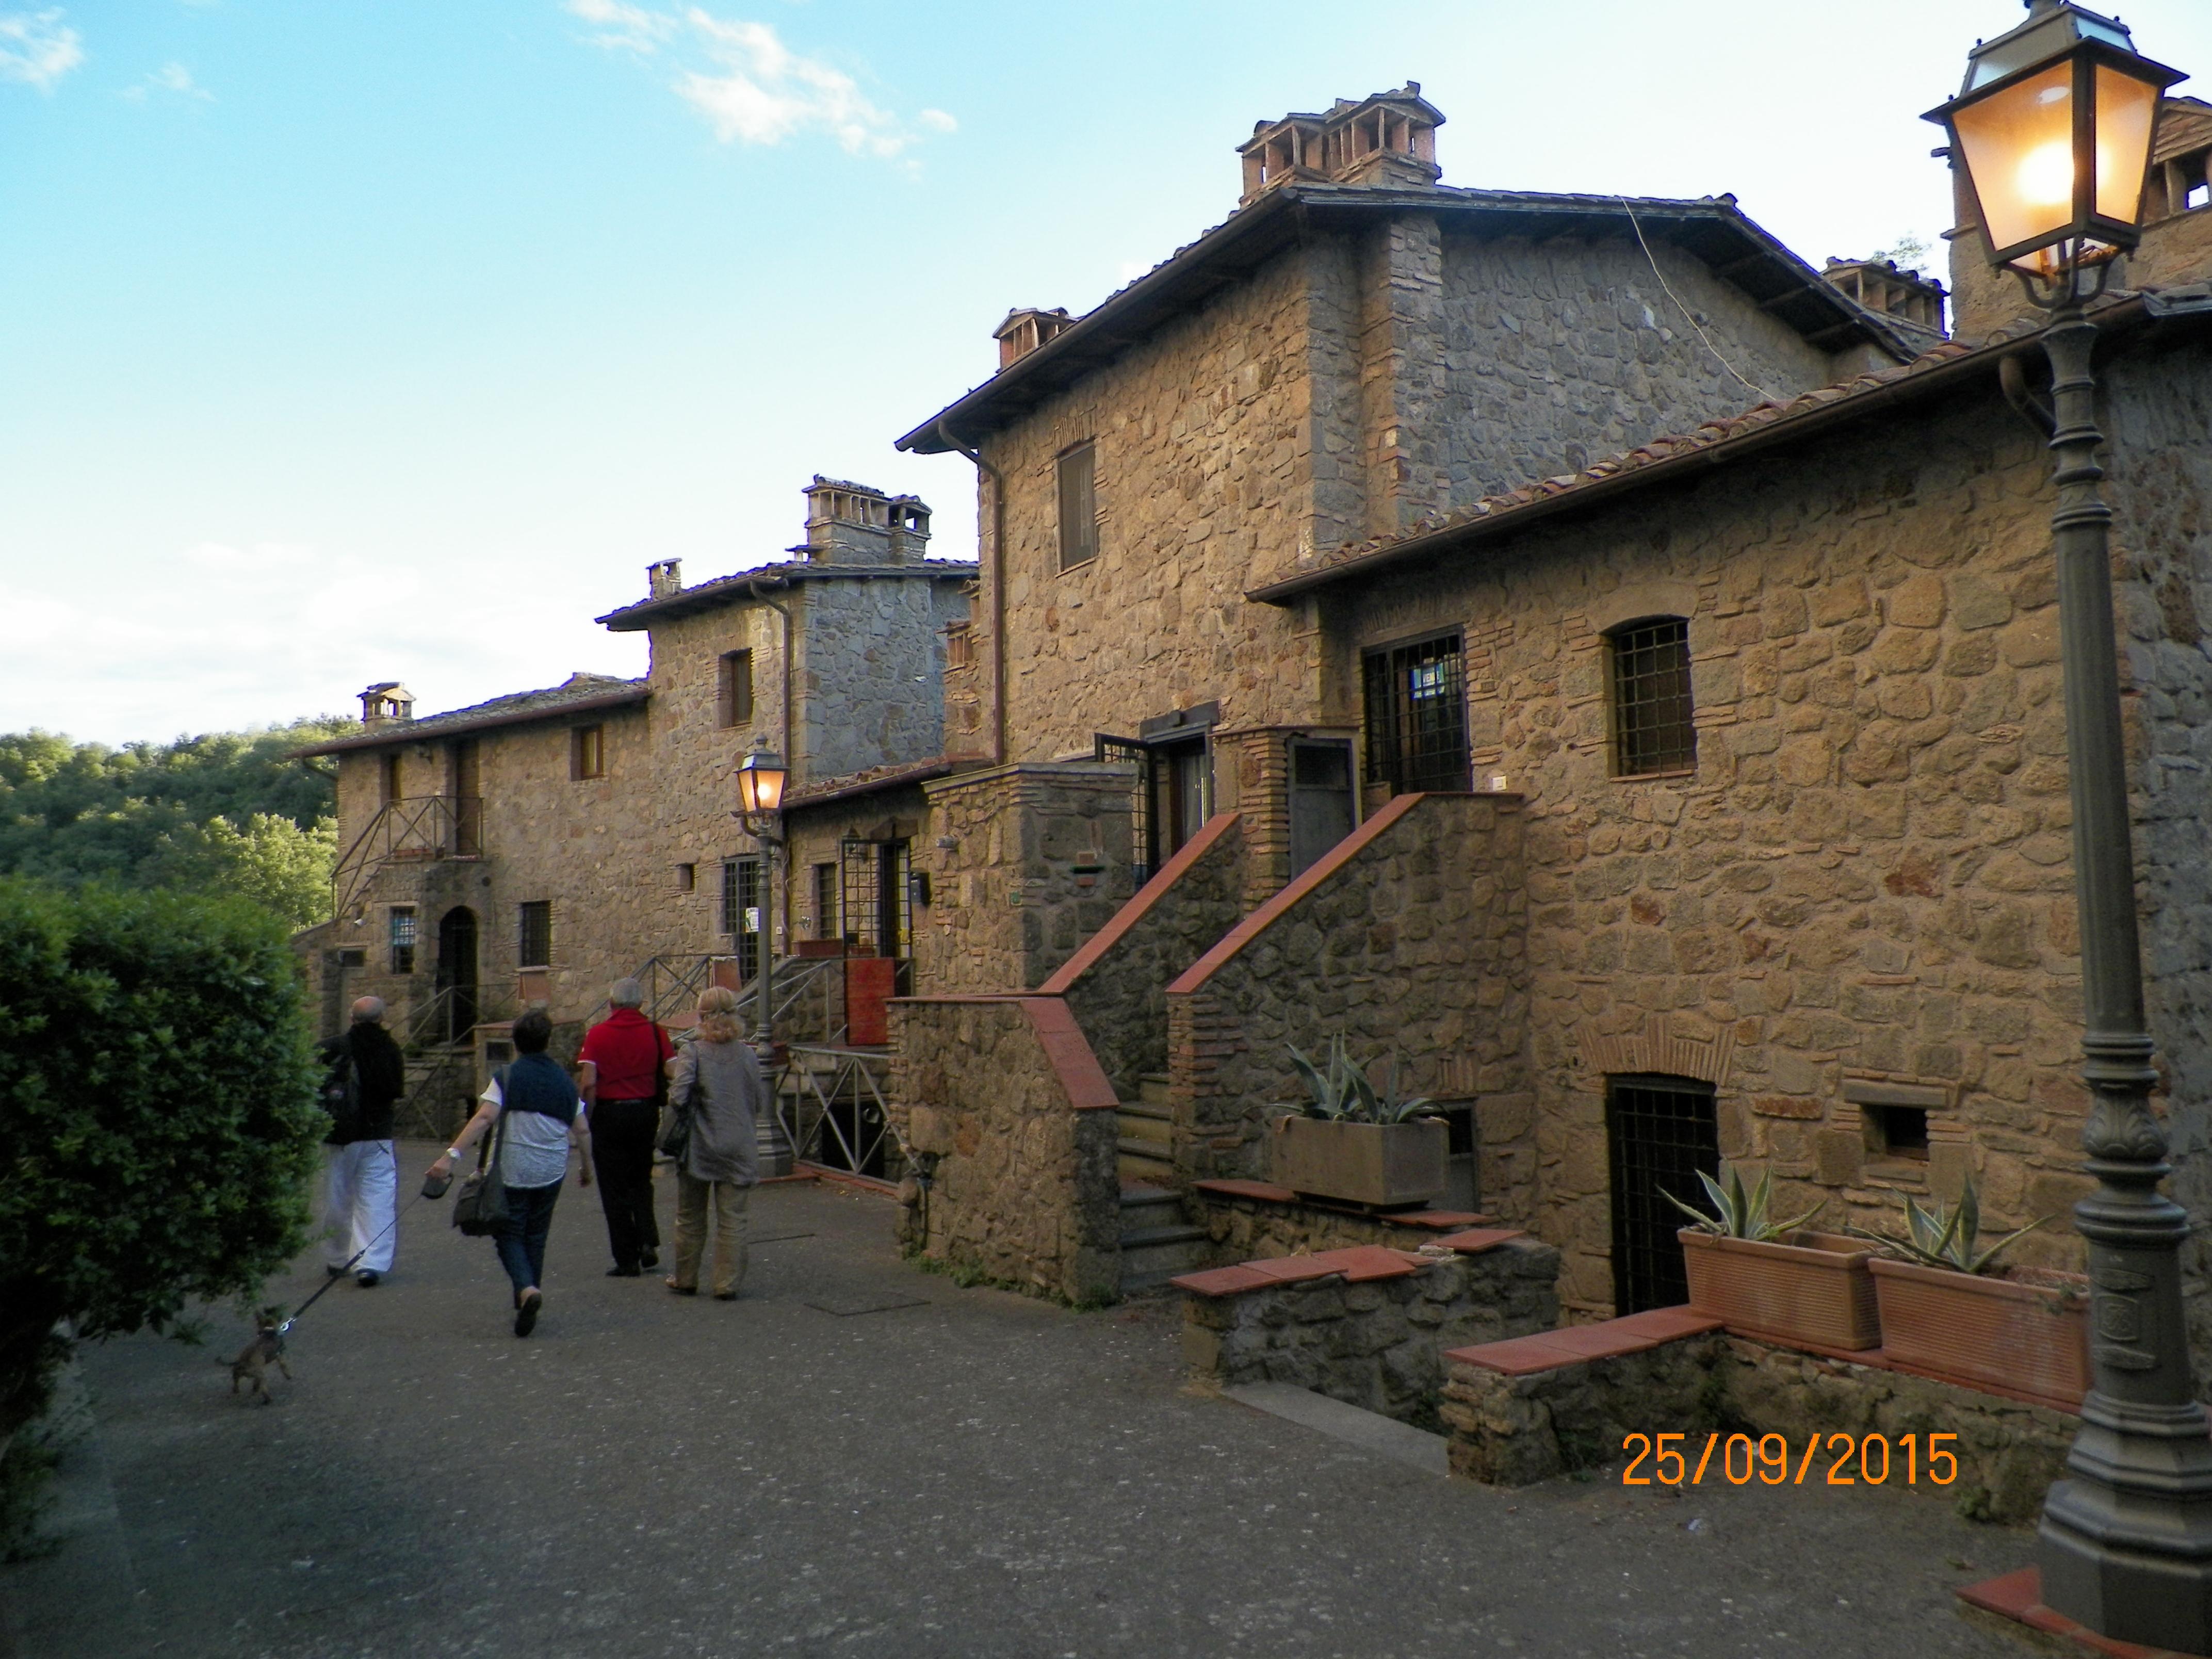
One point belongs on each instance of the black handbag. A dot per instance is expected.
(480, 1206)
(675, 1136)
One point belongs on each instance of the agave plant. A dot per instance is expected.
(1739, 1214)
(1951, 1238)
(1341, 1092)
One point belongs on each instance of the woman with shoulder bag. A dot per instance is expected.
(540, 1117)
(719, 1094)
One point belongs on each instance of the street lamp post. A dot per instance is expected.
(2053, 129)
(760, 776)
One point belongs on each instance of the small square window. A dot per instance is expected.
(1896, 1132)
(403, 938)
(1653, 731)
(687, 878)
(587, 752)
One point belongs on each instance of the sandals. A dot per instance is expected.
(681, 1289)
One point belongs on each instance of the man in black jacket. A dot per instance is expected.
(366, 1077)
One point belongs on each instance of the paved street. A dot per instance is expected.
(977, 1473)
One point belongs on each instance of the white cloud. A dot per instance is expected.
(36, 48)
(170, 77)
(751, 88)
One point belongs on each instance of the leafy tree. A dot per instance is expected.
(158, 1119)
(83, 812)
(284, 869)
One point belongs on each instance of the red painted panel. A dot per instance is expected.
(869, 982)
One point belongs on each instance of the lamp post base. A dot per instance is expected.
(2156, 1601)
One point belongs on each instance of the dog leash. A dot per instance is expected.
(432, 1187)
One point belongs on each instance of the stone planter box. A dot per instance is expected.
(1814, 1290)
(2026, 1332)
(1382, 1165)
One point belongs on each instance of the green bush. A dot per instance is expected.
(158, 1119)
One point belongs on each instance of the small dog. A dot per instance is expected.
(255, 1358)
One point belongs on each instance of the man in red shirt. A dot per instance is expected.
(624, 1082)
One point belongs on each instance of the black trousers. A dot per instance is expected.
(621, 1155)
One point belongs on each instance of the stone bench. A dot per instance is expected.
(1525, 1410)
(1367, 1324)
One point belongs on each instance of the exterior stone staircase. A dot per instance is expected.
(1157, 1242)
(1147, 1135)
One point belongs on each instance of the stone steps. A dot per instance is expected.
(1146, 1146)
(1157, 1242)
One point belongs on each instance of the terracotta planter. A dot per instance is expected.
(1814, 1290)
(1383, 1164)
(2026, 1332)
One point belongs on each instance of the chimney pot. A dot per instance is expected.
(663, 577)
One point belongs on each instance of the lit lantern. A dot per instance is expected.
(760, 781)
(2053, 128)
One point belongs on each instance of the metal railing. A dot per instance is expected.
(831, 1108)
(451, 1014)
(422, 827)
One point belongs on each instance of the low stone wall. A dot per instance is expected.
(1511, 1429)
(1004, 1097)
(1407, 938)
(1116, 983)
(1263, 1221)
(1373, 1330)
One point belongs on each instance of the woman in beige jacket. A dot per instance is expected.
(716, 1075)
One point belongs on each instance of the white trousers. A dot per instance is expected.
(363, 1197)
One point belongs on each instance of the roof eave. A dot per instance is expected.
(436, 725)
(736, 589)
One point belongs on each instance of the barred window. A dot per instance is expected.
(1650, 694)
(741, 912)
(403, 938)
(1078, 506)
(534, 930)
(1417, 716)
(825, 902)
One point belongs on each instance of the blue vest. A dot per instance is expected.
(536, 1083)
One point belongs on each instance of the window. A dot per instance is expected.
(959, 646)
(1417, 716)
(403, 938)
(1078, 506)
(687, 878)
(1650, 687)
(587, 752)
(1896, 1132)
(825, 901)
(534, 941)
(733, 697)
(388, 779)
(741, 912)
(1662, 1133)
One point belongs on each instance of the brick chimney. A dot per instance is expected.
(663, 577)
(385, 702)
(1906, 296)
(1388, 139)
(849, 523)
(1026, 329)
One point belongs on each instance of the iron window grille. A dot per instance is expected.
(403, 938)
(534, 943)
(1661, 1133)
(1652, 731)
(826, 884)
(1416, 706)
(1128, 751)
(878, 907)
(1077, 472)
(741, 912)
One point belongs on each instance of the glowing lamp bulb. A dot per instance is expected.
(2046, 175)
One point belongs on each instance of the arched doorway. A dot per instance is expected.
(457, 971)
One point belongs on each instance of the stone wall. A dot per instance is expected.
(1003, 1096)
(1407, 939)
(869, 662)
(1240, 1228)
(1116, 984)
(1376, 1342)
(1025, 863)
(1514, 1430)
(1867, 877)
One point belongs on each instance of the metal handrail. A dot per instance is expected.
(857, 1079)
(425, 1018)
(431, 826)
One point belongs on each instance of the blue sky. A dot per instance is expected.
(342, 341)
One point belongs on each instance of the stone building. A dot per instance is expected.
(533, 847)
(1659, 799)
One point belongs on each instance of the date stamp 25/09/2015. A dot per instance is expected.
(1660, 1460)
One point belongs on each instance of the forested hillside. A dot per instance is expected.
(227, 812)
